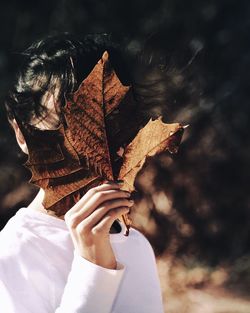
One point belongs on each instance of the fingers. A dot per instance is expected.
(106, 222)
(103, 195)
(107, 208)
(102, 227)
(92, 192)
(105, 201)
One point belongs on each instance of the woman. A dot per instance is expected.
(78, 261)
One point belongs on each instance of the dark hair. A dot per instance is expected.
(168, 75)
(56, 61)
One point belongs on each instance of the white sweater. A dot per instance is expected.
(41, 273)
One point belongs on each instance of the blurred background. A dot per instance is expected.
(194, 65)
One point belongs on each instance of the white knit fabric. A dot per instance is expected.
(41, 273)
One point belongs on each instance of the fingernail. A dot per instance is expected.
(110, 182)
(119, 181)
(107, 181)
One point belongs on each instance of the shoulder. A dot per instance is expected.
(20, 252)
(140, 240)
(134, 247)
(14, 236)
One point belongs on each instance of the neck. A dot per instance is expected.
(37, 205)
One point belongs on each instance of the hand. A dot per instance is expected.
(90, 219)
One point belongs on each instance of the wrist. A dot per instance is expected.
(101, 258)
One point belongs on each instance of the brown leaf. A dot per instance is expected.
(154, 138)
(98, 95)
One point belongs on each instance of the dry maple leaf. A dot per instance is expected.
(98, 95)
(154, 138)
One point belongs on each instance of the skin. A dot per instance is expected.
(89, 222)
(90, 219)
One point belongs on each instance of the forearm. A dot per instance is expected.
(90, 288)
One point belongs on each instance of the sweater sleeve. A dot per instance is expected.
(90, 288)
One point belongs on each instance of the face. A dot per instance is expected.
(50, 119)
(19, 137)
